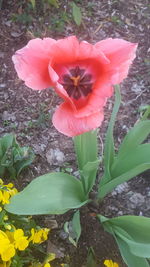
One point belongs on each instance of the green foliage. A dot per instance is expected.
(77, 15)
(132, 158)
(13, 158)
(52, 193)
(87, 157)
(132, 234)
(54, 3)
(109, 151)
(73, 228)
(91, 260)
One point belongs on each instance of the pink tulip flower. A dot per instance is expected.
(82, 74)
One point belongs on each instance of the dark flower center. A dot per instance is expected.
(77, 83)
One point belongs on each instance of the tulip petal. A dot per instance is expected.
(31, 63)
(121, 54)
(66, 123)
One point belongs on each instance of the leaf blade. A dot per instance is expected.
(53, 193)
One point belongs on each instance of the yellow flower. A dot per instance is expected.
(7, 250)
(39, 236)
(6, 191)
(18, 239)
(47, 265)
(110, 263)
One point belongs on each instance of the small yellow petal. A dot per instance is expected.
(47, 265)
(8, 253)
(7, 226)
(1, 181)
(110, 263)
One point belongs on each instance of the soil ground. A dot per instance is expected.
(28, 113)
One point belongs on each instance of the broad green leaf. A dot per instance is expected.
(109, 141)
(138, 227)
(130, 259)
(87, 157)
(134, 137)
(136, 248)
(132, 234)
(108, 187)
(77, 15)
(138, 156)
(52, 193)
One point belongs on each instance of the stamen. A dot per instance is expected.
(78, 83)
(75, 80)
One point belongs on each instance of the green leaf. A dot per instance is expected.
(33, 3)
(13, 158)
(77, 15)
(52, 193)
(68, 230)
(108, 187)
(76, 226)
(86, 149)
(127, 167)
(54, 3)
(6, 141)
(73, 228)
(138, 156)
(26, 158)
(109, 141)
(91, 259)
(132, 234)
(89, 174)
(134, 138)
(130, 259)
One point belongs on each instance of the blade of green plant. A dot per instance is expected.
(86, 149)
(68, 230)
(76, 226)
(89, 174)
(54, 3)
(6, 141)
(134, 137)
(33, 3)
(138, 227)
(52, 193)
(109, 141)
(130, 259)
(132, 232)
(138, 156)
(73, 228)
(146, 114)
(91, 260)
(137, 248)
(77, 15)
(108, 187)
(27, 156)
